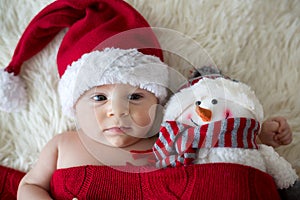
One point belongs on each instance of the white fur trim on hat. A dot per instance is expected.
(227, 89)
(12, 92)
(112, 66)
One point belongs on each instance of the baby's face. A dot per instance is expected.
(117, 114)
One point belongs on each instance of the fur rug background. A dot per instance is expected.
(256, 42)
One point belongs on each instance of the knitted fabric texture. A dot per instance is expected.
(178, 143)
(9, 182)
(208, 181)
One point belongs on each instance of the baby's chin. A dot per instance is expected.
(116, 143)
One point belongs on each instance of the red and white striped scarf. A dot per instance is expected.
(178, 143)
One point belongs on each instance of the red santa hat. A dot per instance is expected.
(107, 42)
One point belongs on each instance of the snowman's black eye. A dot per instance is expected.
(197, 103)
(214, 101)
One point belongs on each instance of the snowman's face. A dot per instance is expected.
(207, 109)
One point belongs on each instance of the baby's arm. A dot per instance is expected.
(36, 183)
(276, 131)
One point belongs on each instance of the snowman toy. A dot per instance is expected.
(216, 120)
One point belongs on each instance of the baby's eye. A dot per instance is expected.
(214, 101)
(99, 97)
(135, 96)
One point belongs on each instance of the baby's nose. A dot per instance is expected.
(117, 108)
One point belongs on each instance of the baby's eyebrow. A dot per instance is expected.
(99, 90)
(136, 92)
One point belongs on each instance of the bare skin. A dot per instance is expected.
(275, 132)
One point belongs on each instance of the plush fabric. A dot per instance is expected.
(92, 25)
(84, 74)
(256, 42)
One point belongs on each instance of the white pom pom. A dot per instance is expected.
(13, 96)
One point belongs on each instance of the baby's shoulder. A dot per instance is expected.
(65, 137)
(61, 139)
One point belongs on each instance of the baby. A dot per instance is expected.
(113, 82)
(114, 118)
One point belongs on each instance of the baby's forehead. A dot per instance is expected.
(116, 86)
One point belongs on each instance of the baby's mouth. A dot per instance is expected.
(117, 130)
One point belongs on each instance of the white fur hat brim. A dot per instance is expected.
(112, 66)
(12, 92)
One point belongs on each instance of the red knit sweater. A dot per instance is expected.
(206, 181)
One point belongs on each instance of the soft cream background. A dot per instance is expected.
(255, 41)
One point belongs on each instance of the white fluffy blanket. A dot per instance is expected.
(257, 42)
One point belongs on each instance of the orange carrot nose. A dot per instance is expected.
(205, 114)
